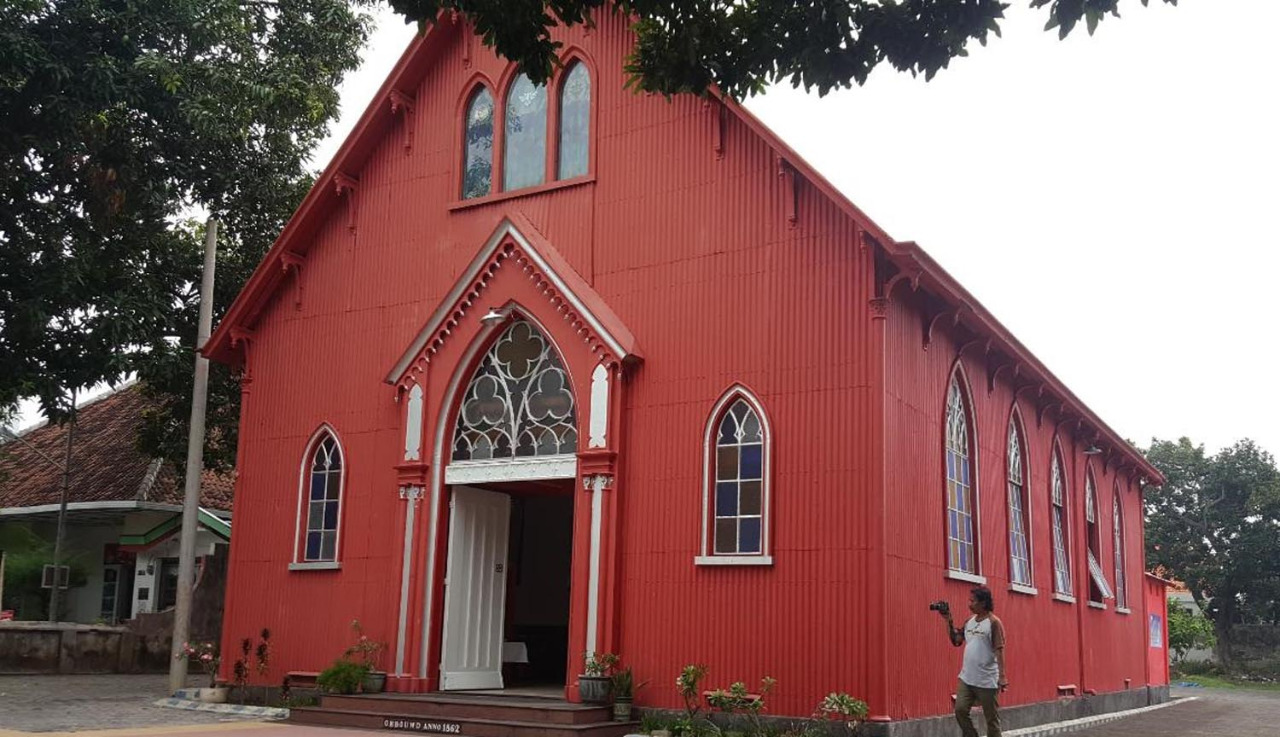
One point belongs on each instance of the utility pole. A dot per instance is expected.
(195, 465)
(55, 595)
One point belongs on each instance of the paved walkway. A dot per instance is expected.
(1214, 713)
(71, 703)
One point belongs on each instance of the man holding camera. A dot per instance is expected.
(982, 677)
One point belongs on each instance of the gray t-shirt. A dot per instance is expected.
(980, 669)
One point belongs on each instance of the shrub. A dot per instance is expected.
(342, 677)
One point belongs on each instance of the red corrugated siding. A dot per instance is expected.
(694, 251)
(1051, 643)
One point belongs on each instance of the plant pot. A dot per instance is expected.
(594, 689)
(374, 682)
(216, 695)
(622, 710)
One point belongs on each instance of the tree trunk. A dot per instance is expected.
(1223, 624)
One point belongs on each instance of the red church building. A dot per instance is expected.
(535, 372)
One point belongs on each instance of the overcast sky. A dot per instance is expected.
(1105, 197)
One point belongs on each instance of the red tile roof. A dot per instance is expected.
(105, 462)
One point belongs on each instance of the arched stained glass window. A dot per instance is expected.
(575, 123)
(738, 523)
(323, 500)
(1019, 547)
(477, 176)
(1117, 534)
(519, 402)
(524, 163)
(961, 542)
(1061, 556)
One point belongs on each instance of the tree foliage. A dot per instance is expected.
(122, 117)
(742, 47)
(1188, 630)
(1215, 525)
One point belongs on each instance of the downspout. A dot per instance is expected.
(1082, 593)
(878, 602)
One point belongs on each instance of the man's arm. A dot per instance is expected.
(956, 635)
(997, 644)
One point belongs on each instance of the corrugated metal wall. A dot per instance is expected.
(1051, 643)
(694, 250)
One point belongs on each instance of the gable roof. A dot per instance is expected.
(907, 259)
(106, 464)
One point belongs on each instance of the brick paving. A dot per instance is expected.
(76, 703)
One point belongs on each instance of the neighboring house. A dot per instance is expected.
(537, 372)
(124, 511)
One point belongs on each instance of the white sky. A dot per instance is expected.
(1105, 197)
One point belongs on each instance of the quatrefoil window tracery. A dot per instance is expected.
(519, 403)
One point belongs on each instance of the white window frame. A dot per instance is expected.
(1118, 543)
(299, 562)
(1059, 513)
(960, 381)
(1018, 429)
(707, 555)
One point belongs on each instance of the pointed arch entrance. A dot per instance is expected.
(512, 387)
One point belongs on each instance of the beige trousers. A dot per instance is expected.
(986, 697)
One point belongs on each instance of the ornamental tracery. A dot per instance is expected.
(519, 403)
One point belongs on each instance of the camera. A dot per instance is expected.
(941, 607)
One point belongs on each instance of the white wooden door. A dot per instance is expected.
(475, 589)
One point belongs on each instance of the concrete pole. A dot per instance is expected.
(195, 465)
(55, 595)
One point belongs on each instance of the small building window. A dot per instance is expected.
(575, 123)
(1098, 588)
(736, 492)
(477, 176)
(1061, 555)
(524, 163)
(961, 541)
(1117, 534)
(323, 500)
(1019, 538)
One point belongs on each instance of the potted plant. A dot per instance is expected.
(206, 654)
(368, 652)
(624, 687)
(593, 686)
(343, 677)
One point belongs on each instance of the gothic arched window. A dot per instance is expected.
(1058, 511)
(320, 508)
(962, 548)
(1019, 513)
(477, 163)
(524, 162)
(575, 123)
(736, 497)
(519, 402)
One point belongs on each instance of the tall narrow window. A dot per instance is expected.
(1098, 589)
(1061, 556)
(961, 543)
(323, 500)
(575, 122)
(736, 495)
(1117, 534)
(477, 176)
(524, 163)
(1019, 547)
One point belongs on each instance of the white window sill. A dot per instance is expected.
(969, 577)
(1097, 605)
(318, 565)
(1123, 610)
(733, 560)
(1064, 598)
(1020, 589)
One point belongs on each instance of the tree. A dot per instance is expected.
(742, 47)
(120, 119)
(1188, 630)
(1215, 525)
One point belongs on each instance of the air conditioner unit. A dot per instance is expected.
(46, 577)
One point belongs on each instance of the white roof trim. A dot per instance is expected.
(467, 278)
(109, 506)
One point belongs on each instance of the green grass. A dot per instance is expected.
(1209, 681)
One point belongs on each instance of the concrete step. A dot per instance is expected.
(469, 727)
(445, 707)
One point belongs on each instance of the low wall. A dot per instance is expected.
(41, 647)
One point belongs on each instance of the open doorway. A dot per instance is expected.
(506, 622)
